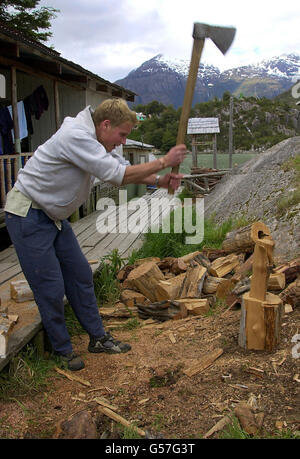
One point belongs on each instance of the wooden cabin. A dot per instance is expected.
(29, 66)
(138, 153)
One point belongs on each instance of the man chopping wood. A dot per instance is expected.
(53, 184)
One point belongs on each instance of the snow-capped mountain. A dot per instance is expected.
(163, 79)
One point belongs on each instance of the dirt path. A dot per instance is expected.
(148, 384)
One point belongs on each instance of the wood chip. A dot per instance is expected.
(145, 400)
(217, 427)
(116, 417)
(203, 363)
(72, 377)
(296, 378)
(172, 337)
(101, 401)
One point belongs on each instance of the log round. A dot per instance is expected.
(243, 239)
(144, 279)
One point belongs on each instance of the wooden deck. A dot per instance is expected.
(94, 245)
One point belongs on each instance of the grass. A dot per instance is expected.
(172, 244)
(106, 285)
(234, 431)
(26, 375)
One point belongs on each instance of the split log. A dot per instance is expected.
(213, 254)
(203, 261)
(225, 288)
(131, 297)
(223, 265)
(189, 256)
(193, 282)
(276, 281)
(162, 311)
(194, 306)
(169, 289)
(291, 294)
(243, 239)
(20, 291)
(178, 266)
(141, 261)
(144, 279)
(244, 269)
(211, 284)
(120, 310)
(291, 270)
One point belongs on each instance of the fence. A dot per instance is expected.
(9, 166)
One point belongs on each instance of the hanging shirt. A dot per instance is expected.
(6, 125)
(22, 120)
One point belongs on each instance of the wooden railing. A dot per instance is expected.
(9, 166)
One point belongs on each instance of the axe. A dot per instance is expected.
(222, 38)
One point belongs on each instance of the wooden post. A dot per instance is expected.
(261, 310)
(14, 103)
(56, 104)
(215, 150)
(194, 151)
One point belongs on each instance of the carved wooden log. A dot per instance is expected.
(260, 322)
(243, 239)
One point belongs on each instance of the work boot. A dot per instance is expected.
(73, 361)
(108, 344)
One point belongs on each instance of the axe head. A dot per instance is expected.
(221, 36)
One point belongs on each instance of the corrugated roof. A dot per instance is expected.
(135, 143)
(203, 126)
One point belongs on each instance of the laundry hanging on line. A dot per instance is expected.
(6, 125)
(35, 104)
(23, 131)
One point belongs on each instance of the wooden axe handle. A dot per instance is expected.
(188, 96)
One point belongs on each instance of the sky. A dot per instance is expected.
(113, 37)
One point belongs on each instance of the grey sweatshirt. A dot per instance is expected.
(58, 177)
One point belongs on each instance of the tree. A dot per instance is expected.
(25, 16)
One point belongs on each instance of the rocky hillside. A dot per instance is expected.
(267, 189)
(164, 79)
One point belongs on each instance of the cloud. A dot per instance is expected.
(112, 37)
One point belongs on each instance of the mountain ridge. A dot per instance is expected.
(163, 79)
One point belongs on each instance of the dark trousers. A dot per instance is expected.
(54, 266)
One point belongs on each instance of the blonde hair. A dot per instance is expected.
(116, 111)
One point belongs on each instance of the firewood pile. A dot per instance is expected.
(210, 177)
(174, 288)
